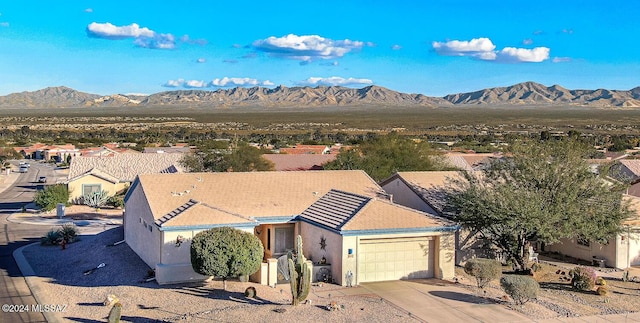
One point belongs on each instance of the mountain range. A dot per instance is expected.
(528, 93)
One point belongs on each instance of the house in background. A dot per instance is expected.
(342, 216)
(306, 149)
(620, 252)
(89, 175)
(41, 151)
(288, 162)
(168, 150)
(469, 161)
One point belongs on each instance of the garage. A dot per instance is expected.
(395, 258)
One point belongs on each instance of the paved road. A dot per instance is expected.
(13, 288)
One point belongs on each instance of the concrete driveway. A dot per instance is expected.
(432, 300)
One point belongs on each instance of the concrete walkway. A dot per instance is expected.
(433, 302)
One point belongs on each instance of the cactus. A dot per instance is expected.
(115, 313)
(300, 275)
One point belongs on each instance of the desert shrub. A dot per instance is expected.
(96, 199)
(51, 238)
(68, 232)
(48, 198)
(484, 270)
(602, 291)
(226, 252)
(583, 278)
(116, 201)
(601, 282)
(521, 288)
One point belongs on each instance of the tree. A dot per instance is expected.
(244, 158)
(48, 198)
(382, 156)
(541, 191)
(226, 252)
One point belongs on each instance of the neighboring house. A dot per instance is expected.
(287, 162)
(425, 191)
(41, 151)
(167, 150)
(341, 215)
(306, 149)
(626, 170)
(469, 161)
(620, 252)
(106, 151)
(113, 174)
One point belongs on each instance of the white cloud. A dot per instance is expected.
(464, 48)
(238, 81)
(561, 59)
(195, 84)
(110, 31)
(89, 10)
(334, 81)
(143, 37)
(484, 49)
(4, 24)
(188, 40)
(527, 41)
(512, 54)
(396, 47)
(230, 61)
(307, 47)
(201, 60)
(174, 83)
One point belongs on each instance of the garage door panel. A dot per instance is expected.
(392, 259)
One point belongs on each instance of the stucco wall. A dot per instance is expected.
(569, 247)
(75, 187)
(143, 242)
(403, 195)
(333, 251)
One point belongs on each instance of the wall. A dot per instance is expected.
(75, 187)
(143, 242)
(569, 247)
(333, 252)
(404, 195)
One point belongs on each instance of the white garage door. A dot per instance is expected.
(393, 259)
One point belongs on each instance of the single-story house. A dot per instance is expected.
(424, 191)
(306, 149)
(341, 215)
(288, 162)
(620, 252)
(113, 174)
(469, 161)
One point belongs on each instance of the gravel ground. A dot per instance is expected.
(64, 282)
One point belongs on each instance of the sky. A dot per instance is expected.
(432, 47)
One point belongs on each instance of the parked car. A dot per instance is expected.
(24, 169)
(42, 179)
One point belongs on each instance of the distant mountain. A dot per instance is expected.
(528, 93)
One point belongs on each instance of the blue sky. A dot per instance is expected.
(431, 47)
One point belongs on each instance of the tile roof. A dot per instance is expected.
(167, 150)
(343, 211)
(469, 162)
(299, 162)
(634, 204)
(196, 213)
(428, 185)
(633, 165)
(125, 167)
(250, 194)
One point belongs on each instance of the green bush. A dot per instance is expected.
(484, 270)
(521, 288)
(226, 252)
(116, 201)
(51, 238)
(583, 278)
(68, 232)
(48, 198)
(96, 199)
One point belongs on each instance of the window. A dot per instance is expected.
(284, 240)
(583, 242)
(88, 189)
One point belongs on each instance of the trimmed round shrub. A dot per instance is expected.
(583, 278)
(602, 291)
(521, 288)
(226, 252)
(484, 270)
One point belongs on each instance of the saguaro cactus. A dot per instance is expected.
(299, 274)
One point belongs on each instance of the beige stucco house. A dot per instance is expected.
(620, 252)
(342, 216)
(115, 173)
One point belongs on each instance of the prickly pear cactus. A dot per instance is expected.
(300, 275)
